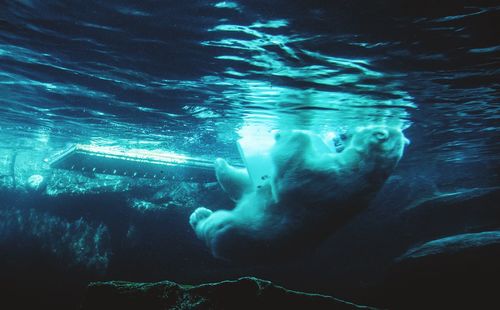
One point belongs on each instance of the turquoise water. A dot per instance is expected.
(191, 74)
(192, 78)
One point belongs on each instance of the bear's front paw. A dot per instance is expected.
(198, 215)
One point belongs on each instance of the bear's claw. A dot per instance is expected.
(199, 215)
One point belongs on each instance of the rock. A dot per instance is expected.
(36, 183)
(458, 197)
(468, 210)
(244, 293)
(456, 271)
(454, 245)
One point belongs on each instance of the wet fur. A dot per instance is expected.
(310, 194)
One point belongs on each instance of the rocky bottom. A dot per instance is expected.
(243, 293)
(451, 272)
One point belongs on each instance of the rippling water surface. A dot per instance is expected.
(194, 76)
(177, 75)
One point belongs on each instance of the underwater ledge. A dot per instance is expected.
(243, 293)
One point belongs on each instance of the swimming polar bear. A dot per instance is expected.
(310, 193)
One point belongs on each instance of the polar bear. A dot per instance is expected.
(310, 193)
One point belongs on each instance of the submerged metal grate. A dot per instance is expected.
(133, 163)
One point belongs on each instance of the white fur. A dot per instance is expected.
(311, 192)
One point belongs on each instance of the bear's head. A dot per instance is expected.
(387, 142)
(378, 148)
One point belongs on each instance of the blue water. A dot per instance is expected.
(194, 76)
(191, 74)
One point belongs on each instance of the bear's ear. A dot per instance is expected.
(380, 134)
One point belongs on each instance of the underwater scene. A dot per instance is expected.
(249, 154)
